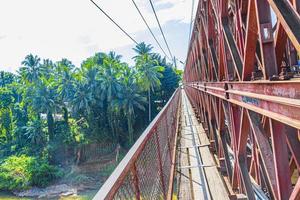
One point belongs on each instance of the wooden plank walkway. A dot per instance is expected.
(198, 177)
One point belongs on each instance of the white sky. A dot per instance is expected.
(76, 29)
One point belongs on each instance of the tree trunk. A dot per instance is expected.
(78, 156)
(118, 152)
(7, 124)
(111, 124)
(8, 136)
(149, 104)
(66, 116)
(130, 129)
(117, 129)
(50, 122)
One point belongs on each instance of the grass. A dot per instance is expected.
(108, 169)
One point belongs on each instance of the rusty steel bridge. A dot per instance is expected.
(232, 130)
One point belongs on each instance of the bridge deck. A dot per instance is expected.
(198, 177)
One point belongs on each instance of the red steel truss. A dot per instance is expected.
(241, 77)
(147, 171)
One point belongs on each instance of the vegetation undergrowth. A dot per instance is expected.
(20, 172)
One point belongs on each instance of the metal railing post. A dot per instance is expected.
(168, 137)
(160, 164)
(136, 182)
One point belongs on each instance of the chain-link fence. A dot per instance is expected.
(146, 171)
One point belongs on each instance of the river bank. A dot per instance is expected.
(83, 195)
(80, 183)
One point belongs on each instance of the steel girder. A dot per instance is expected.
(241, 76)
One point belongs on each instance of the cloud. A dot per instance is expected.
(77, 29)
(85, 39)
(92, 48)
(162, 6)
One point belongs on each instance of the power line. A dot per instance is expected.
(114, 22)
(160, 27)
(149, 28)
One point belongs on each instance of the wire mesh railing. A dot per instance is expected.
(147, 171)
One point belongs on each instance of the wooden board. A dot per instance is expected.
(184, 185)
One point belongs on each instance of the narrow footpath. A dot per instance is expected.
(197, 174)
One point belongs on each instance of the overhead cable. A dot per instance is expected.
(153, 9)
(114, 22)
(149, 28)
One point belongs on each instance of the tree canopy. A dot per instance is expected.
(48, 105)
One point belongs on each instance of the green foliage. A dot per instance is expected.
(6, 97)
(21, 172)
(51, 107)
(6, 78)
(42, 173)
(15, 173)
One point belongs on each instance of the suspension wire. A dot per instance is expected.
(131, 38)
(191, 24)
(190, 32)
(153, 9)
(114, 22)
(149, 28)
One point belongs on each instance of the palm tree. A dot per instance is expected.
(64, 74)
(81, 99)
(65, 63)
(34, 132)
(114, 57)
(31, 71)
(65, 88)
(108, 78)
(110, 87)
(6, 123)
(45, 101)
(90, 76)
(6, 102)
(149, 71)
(130, 100)
(161, 60)
(47, 68)
(95, 60)
(6, 78)
(142, 49)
